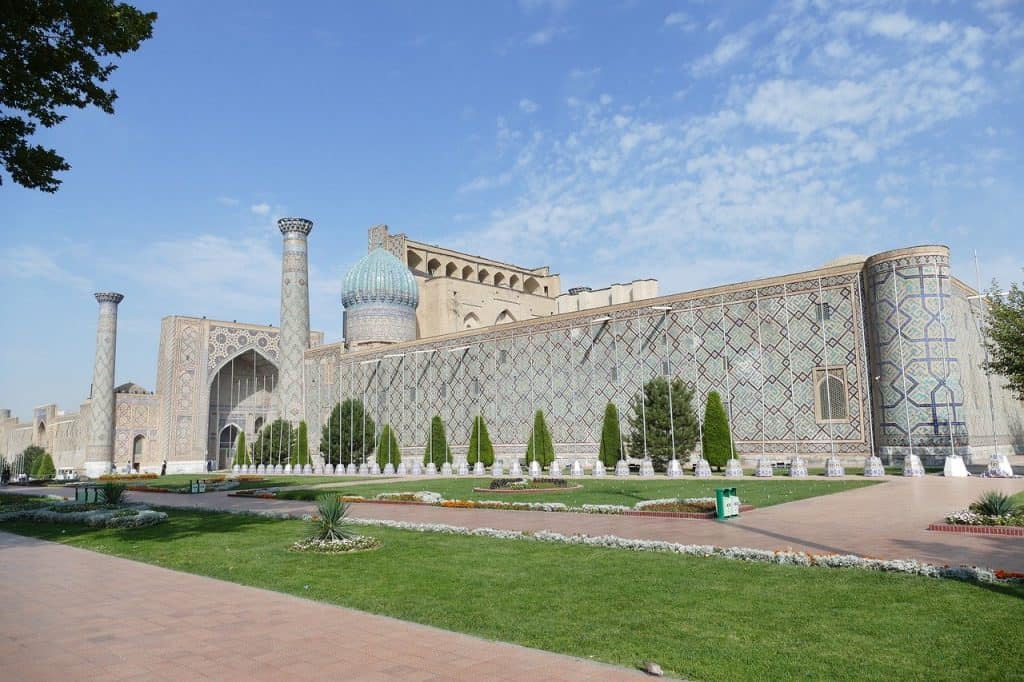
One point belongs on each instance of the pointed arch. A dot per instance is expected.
(531, 285)
(484, 276)
(212, 374)
(413, 259)
(470, 321)
(450, 270)
(433, 265)
(467, 272)
(504, 316)
(499, 279)
(513, 282)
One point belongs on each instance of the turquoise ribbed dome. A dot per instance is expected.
(379, 277)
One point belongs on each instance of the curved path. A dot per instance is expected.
(143, 622)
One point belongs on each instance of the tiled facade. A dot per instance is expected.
(882, 356)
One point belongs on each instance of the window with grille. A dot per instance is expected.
(822, 311)
(444, 390)
(503, 356)
(666, 367)
(476, 388)
(614, 373)
(830, 395)
(412, 394)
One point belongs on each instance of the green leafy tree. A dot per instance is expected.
(30, 457)
(611, 437)
(276, 443)
(716, 445)
(1004, 336)
(348, 435)
(437, 449)
(300, 454)
(387, 448)
(480, 446)
(44, 467)
(651, 408)
(241, 452)
(540, 446)
(53, 56)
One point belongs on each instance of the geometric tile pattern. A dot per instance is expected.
(294, 338)
(101, 439)
(920, 397)
(758, 346)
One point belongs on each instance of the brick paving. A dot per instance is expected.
(69, 613)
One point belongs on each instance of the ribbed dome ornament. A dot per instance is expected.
(379, 277)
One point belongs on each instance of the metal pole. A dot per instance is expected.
(984, 347)
(792, 391)
(728, 378)
(760, 365)
(696, 378)
(945, 343)
(639, 353)
(828, 369)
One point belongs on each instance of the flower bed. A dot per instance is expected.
(127, 477)
(93, 516)
(1010, 531)
(360, 543)
(525, 484)
(782, 557)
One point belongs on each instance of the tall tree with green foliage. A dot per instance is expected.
(387, 448)
(539, 446)
(651, 408)
(480, 446)
(611, 437)
(53, 56)
(44, 467)
(276, 443)
(437, 449)
(716, 445)
(349, 434)
(301, 454)
(30, 457)
(1004, 336)
(241, 451)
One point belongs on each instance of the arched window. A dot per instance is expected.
(513, 281)
(450, 270)
(531, 285)
(258, 425)
(413, 259)
(504, 316)
(499, 279)
(830, 399)
(433, 265)
(467, 272)
(470, 321)
(483, 276)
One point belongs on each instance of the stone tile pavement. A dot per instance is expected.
(68, 613)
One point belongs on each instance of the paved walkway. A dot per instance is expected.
(142, 622)
(885, 521)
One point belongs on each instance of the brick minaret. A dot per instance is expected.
(99, 454)
(294, 315)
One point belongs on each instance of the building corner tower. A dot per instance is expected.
(294, 338)
(99, 456)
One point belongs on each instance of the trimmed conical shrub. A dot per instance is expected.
(480, 446)
(44, 467)
(539, 445)
(717, 441)
(611, 437)
(650, 410)
(349, 434)
(437, 449)
(387, 447)
(302, 445)
(241, 454)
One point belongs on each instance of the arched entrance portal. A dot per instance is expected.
(242, 398)
(137, 446)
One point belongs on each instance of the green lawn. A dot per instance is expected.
(709, 619)
(760, 493)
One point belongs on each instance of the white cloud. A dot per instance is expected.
(260, 209)
(728, 49)
(544, 36)
(227, 201)
(25, 262)
(528, 106)
(555, 6)
(680, 20)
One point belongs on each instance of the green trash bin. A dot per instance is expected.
(727, 503)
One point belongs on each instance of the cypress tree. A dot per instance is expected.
(539, 446)
(480, 445)
(717, 442)
(655, 414)
(437, 449)
(274, 443)
(342, 437)
(240, 451)
(30, 459)
(388, 444)
(611, 437)
(302, 445)
(44, 467)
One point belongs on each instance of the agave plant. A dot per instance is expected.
(113, 493)
(994, 503)
(330, 524)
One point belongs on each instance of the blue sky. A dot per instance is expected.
(699, 143)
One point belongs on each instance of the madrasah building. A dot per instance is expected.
(862, 356)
